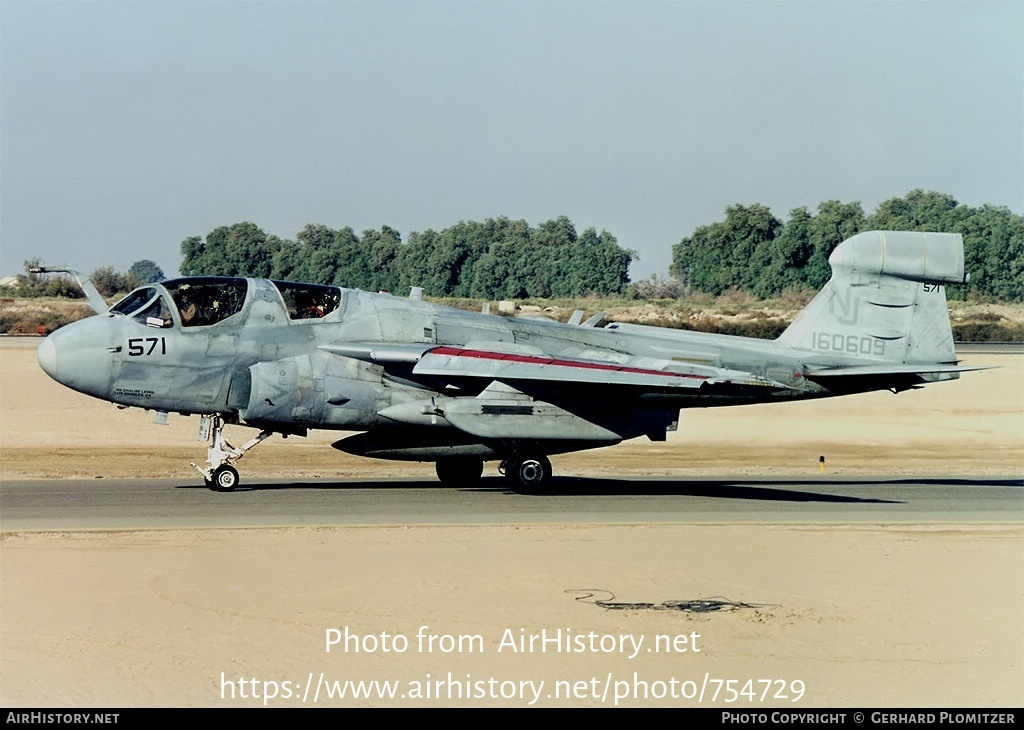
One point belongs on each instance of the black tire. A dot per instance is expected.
(528, 474)
(225, 478)
(459, 472)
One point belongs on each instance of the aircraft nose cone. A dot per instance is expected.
(78, 356)
(47, 356)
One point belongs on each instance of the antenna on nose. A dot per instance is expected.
(95, 300)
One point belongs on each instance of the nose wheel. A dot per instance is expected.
(225, 479)
(220, 475)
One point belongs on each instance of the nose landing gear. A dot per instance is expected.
(220, 475)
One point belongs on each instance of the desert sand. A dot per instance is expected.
(810, 615)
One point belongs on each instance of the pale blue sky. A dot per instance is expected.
(127, 126)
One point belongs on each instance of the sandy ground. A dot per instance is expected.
(814, 615)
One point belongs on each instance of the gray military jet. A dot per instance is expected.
(425, 382)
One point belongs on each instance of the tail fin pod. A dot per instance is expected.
(886, 300)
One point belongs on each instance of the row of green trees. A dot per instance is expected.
(497, 259)
(754, 251)
(750, 250)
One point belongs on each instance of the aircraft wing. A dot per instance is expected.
(493, 364)
(528, 394)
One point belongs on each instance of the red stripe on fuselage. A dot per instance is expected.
(536, 360)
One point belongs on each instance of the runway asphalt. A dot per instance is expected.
(102, 504)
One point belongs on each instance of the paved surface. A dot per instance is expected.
(167, 503)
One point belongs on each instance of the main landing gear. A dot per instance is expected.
(526, 473)
(219, 474)
(458, 471)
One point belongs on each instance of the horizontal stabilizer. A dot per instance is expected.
(893, 369)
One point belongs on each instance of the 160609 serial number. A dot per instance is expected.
(848, 344)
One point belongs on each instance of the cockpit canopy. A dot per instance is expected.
(308, 301)
(206, 301)
(201, 301)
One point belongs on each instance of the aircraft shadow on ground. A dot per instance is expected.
(766, 490)
(706, 488)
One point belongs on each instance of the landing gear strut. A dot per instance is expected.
(220, 475)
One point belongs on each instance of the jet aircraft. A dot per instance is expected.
(425, 382)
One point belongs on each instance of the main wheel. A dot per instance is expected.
(225, 478)
(459, 472)
(528, 473)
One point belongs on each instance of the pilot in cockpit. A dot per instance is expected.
(188, 308)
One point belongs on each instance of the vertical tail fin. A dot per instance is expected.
(886, 300)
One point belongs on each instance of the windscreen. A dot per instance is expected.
(146, 306)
